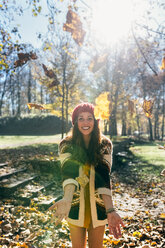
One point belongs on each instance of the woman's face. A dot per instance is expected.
(85, 123)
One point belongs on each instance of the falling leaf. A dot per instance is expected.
(54, 83)
(48, 73)
(102, 108)
(97, 62)
(24, 58)
(163, 64)
(35, 105)
(148, 107)
(74, 26)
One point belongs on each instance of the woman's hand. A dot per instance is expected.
(114, 222)
(62, 209)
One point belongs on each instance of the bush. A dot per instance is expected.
(30, 125)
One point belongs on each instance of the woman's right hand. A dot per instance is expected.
(62, 209)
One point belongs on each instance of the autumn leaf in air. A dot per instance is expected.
(163, 64)
(51, 74)
(102, 107)
(55, 82)
(147, 107)
(24, 58)
(74, 26)
(48, 73)
(35, 106)
(97, 62)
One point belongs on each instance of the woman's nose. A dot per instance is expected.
(86, 121)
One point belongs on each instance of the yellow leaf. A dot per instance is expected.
(102, 108)
(115, 242)
(153, 243)
(162, 216)
(137, 234)
(163, 64)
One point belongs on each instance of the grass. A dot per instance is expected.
(151, 158)
(15, 141)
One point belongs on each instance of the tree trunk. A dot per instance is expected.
(113, 123)
(66, 109)
(156, 123)
(105, 127)
(63, 101)
(124, 125)
(163, 111)
(18, 96)
(29, 88)
(41, 95)
(2, 95)
(12, 88)
(150, 129)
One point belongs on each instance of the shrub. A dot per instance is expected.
(31, 125)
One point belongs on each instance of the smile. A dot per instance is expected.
(85, 128)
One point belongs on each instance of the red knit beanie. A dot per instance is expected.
(82, 107)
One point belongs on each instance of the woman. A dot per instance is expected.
(86, 159)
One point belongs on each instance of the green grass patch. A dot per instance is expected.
(9, 141)
(151, 159)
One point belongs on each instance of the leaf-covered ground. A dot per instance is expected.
(140, 201)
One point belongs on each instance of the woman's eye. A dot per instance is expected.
(80, 119)
(90, 119)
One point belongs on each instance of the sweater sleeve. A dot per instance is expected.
(104, 169)
(69, 166)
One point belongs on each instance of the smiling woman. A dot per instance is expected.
(112, 19)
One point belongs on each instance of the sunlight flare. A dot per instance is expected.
(112, 20)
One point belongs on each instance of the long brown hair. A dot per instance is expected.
(76, 137)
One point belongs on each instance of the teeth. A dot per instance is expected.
(85, 128)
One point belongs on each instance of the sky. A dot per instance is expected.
(111, 19)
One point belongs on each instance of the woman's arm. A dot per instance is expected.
(63, 206)
(114, 220)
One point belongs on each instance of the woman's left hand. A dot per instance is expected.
(114, 222)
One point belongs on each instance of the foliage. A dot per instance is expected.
(30, 125)
(102, 107)
(62, 69)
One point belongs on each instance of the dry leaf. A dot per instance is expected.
(24, 58)
(74, 26)
(148, 107)
(48, 73)
(35, 105)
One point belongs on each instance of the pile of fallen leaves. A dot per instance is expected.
(140, 208)
(141, 230)
(30, 228)
(141, 204)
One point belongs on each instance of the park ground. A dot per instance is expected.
(138, 192)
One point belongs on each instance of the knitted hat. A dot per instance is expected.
(82, 107)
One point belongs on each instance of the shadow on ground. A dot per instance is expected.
(129, 169)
